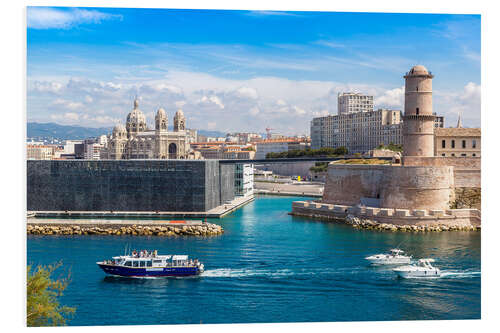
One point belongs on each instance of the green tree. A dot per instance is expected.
(43, 307)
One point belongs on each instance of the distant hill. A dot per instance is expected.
(211, 133)
(65, 132)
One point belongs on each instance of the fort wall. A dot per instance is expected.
(392, 186)
(397, 217)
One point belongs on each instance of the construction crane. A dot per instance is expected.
(268, 131)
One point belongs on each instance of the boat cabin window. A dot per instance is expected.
(142, 263)
(135, 264)
(128, 263)
(148, 263)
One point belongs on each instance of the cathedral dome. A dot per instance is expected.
(179, 114)
(136, 120)
(119, 129)
(161, 113)
(161, 120)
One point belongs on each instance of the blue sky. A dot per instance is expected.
(242, 70)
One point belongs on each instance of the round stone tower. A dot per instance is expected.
(418, 120)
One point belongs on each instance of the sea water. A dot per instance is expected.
(270, 267)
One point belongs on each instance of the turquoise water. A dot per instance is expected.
(270, 267)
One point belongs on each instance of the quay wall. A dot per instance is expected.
(128, 185)
(287, 169)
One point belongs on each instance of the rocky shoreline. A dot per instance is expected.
(361, 223)
(206, 229)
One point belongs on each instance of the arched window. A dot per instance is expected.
(418, 111)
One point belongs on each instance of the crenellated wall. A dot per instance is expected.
(417, 217)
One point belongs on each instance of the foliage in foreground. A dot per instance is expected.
(391, 146)
(43, 308)
(363, 161)
(321, 152)
(319, 167)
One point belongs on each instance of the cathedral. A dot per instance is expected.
(136, 141)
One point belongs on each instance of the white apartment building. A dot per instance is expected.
(354, 102)
(93, 151)
(243, 180)
(358, 132)
(39, 152)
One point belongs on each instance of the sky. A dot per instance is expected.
(242, 70)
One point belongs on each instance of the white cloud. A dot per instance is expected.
(248, 92)
(180, 104)
(254, 111)
(212, 99)
(285, 105)
(53, 18)
(392, 98)
(466, 103)
(66, 117)
(67, 104)
(299, 111)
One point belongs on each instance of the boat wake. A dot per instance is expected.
(459, 275)
(236, 273)
(228, 272)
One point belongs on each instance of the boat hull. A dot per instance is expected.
(393, 261)
(418, 274)
(149, 271)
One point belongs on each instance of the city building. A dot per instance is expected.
(69, 146)
(424, 179)
(129, 185)
(359, 132)
(439, 121)
(243, 179)
(354, 102)
(192, 135)
(223, 150)
(243, 137)
(39, 152)
(136, 141)
(278, 146)
(459, 142)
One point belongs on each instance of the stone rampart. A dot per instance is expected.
(416, 187)
(397, 217)
(467, 170)
(347, 184)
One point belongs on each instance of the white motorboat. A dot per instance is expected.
(394, 257)
(422, 269)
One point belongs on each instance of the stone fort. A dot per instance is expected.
(419, 180)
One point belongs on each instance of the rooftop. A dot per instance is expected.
(457, 132)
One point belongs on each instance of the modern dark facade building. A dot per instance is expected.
(129, 185)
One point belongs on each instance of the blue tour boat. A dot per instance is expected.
(150, 264)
